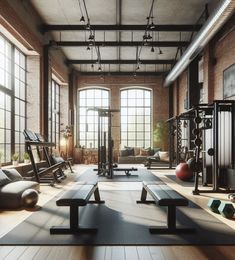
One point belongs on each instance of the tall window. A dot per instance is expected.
(12, 99)
(136, 117)
(54, 113)
(88, 119)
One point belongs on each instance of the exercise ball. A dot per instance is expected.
(183, 172)
(29, 198)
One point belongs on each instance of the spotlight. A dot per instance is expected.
(88, 26)
(91, 37)
(152, 49)
(160, 52)
(137, 67)
(82, 19)
(149, 37)
(88, 48)
(145, 37)
(99, 69)
(92, 66)
(152, 26)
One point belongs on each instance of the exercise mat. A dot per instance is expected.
(120, 221)
(119, 176)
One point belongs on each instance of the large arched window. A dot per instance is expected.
(136, 117)
(88, 119)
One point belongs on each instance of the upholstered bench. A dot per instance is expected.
(163, 195)
(78, 196)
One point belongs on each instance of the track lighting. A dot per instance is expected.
(82, 19)
(91, 37)
(152, 26)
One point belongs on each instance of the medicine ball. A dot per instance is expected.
(183, 172)
(29, 198)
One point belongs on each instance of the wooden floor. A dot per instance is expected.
(9, 219)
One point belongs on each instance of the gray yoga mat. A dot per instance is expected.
(120, 221)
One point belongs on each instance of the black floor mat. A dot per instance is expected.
(120, 221)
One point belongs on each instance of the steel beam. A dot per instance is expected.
(124, 73)
(158, 27)
(120, 61)
(120, 43)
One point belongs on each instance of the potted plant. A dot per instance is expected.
(26, 158)
(15, 159)
(160, 135)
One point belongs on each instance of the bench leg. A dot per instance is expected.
(143, 198)
(74, 227)
(171, 224)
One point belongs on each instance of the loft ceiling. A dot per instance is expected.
(119, 26)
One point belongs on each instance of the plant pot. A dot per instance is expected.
(15, 163)
(26, 161)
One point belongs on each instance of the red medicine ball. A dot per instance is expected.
(183, 172)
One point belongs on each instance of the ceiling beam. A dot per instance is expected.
(123, 73)
(120, 61)
(158, 27)
(120, 43)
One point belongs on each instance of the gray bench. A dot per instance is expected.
(78, 196)
(163, 195)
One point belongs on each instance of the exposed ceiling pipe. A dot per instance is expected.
(209, 29)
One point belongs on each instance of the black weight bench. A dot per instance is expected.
(79, 195)
(163, 195)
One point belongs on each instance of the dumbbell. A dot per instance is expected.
(224, 208)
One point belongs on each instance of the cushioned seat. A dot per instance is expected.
(10, 194)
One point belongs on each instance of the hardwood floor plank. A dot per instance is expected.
(16, 252)
(5, 250)
(156, 252)
(143, 253)
(29, 253)
(42, 253)
(118, 253)
(108, 253)
(75, 253)
(131, 253)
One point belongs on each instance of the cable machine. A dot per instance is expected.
(105, 146)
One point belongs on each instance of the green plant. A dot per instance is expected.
(15, 157)
(160, 134)
(26, 156)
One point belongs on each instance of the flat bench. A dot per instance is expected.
(79, 195)
(163, 195)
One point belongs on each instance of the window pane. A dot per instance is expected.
(135, 117)
(88, 120)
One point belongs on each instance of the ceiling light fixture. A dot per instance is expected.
(88, 48)
(82, 19)
(152, 49)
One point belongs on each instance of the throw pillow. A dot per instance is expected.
(130, 150)
(136, 151)
(164, 156)
(144, 152)
(13, 174)
(3, 179)
(124, 153)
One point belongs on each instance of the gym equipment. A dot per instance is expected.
(183, 172)
(226, 209)
(77, 197)
(214, 204)
(105, 155)
(51, 174)
(29, 198)
(231, 197)
(163, 195)
(194, 166)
